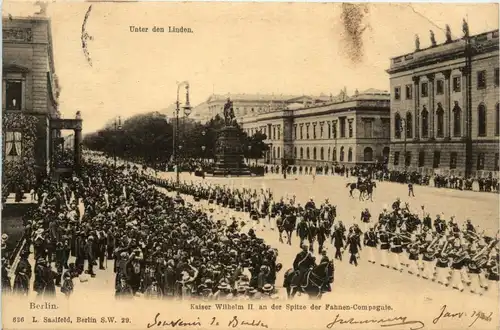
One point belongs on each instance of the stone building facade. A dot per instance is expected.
(445, 108)
(248, 105)
(344, 130)
(30, 91)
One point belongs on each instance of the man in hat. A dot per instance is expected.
(124, 290)
(23, 274)
(324, 262)
(67, 285)
(89, 251)
(302, 230)
(365, 218)
(370, 243)
(224, 292)
(302, 263)
(337, 239)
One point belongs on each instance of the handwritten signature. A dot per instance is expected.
(383, 322)
(444, 314)
(158, 322)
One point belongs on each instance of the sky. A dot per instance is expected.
(280, 48)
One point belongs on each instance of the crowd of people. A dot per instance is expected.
(160, 245)
(382, 173)
(163, 247)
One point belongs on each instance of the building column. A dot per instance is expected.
(77, 149)
(447, 99)
(465, 109)
(432, 112)
(416, 115)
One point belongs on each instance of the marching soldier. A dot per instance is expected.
(413, 250)
(370, 243)
(353, 242)
(338, 239)
(365, 218)
(396, 250)
(384, 247)
(302, 230)
(325, 260)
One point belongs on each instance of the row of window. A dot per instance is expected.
(456, 85)
(305, 153)
(273, 131)
(406, 124)
(436, 161)
(328, 131)
(303, 131)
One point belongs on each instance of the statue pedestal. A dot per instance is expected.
(229, 154)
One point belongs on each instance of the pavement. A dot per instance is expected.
(366, 283)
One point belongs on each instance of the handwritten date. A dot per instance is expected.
(445, 314)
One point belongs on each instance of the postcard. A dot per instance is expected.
(239, 165)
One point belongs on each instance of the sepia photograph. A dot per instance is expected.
(250, 165)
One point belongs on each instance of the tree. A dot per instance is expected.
(257, 146)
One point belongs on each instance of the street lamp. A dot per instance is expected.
(249, 149)
(187, 111)
(117, 127)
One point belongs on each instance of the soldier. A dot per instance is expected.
(413, 250)
(396, 249)
(324, 261)
(370, 243)
(338, 239)
(353, 242)
(365, 218)
(302, 230)
(458, 260)
(303, 261)
(310, 204)
(384, 246)
(321, 235)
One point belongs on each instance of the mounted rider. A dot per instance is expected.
(325, 260)
(302, 263)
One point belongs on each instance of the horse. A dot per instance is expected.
(316, 280)
(355, 186)
(286, 225)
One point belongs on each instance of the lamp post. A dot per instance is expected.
(187, 111)
(203, 147)
(249, 154)
(117, 127)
